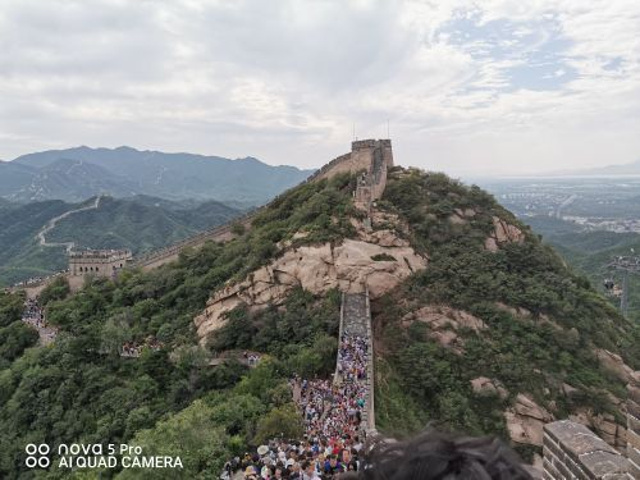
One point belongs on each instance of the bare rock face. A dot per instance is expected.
(615, 364)
(456, 219)
(318, 268)
(488, 386)
(444, 322)
(515, 311)
(461, 216)
(525, 421)
(503, 233)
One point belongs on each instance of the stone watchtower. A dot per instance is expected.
(375, 157)
(369, 156)
(102, 263)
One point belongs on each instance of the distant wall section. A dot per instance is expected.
(101, 263)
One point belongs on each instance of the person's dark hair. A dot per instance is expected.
(437, 456)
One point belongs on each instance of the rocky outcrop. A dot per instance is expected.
(461, 216)
(525, 421)
(515, 311)
(484, 386)
(318, 269)
(444, 323)
(614, 363)
(503, 232)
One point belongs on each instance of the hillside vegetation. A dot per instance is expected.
(79, 389)
(589, 252)
(542, 322)
(139, 223)
(539, 324)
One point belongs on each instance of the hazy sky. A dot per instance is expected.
(493, 86)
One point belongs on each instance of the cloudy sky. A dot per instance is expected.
(471, 88)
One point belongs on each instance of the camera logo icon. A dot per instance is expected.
(37, 455)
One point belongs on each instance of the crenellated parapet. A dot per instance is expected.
(572, 451)
(633, 425)
(103, 263)
(371, 157)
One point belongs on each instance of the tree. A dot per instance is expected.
(191, 435)
(113, 335)
(283, 422)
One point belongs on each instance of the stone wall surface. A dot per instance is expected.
(572, 451)
(633, 425)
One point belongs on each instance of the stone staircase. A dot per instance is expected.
(355, 319)
(355, 314)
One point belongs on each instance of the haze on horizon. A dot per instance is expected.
(472, 88)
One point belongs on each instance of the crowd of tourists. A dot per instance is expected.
(332, 413)
(34, 316)
(38, 280)
(134, 349)
(251, 359)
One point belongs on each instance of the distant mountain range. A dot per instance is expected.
(76, 174)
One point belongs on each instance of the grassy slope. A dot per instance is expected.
(590, 253)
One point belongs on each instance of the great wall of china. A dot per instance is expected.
(355, 319)
(570, 450)
(366, 155)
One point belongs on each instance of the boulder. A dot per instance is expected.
(488, 386)
(525, 420)
(444, 322)
(503, 232)
(614, 363)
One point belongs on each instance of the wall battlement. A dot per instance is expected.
(103, 263)
(370, 143)
(572, 451)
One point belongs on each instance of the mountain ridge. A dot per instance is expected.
(174, 176)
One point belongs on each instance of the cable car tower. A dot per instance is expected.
(625, 265)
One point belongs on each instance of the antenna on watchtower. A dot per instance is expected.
(388, 135)
(354, 131)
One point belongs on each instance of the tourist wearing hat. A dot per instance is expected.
(250, 473)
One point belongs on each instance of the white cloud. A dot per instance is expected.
(286, 81)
